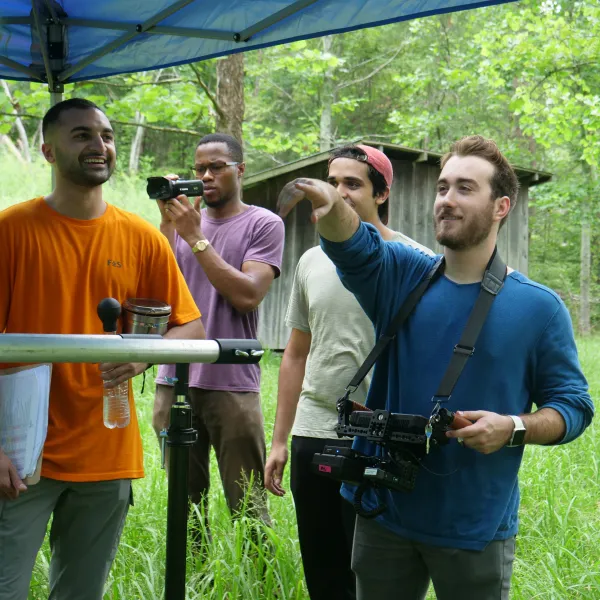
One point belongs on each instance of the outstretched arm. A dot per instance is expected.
(334, 219)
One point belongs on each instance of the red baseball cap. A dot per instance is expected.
(378, 160)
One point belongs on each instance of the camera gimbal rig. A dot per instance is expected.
(404, 440)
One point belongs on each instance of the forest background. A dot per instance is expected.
(525, 74)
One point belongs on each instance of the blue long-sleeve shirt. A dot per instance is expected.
(525, 355)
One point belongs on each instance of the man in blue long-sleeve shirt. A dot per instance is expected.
(457, 527)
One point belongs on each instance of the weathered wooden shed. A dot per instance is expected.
(410, 211)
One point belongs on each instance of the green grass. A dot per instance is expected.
(557, 548)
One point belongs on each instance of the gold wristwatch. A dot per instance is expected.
(200, 246)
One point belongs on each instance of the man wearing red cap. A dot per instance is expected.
(330, 338)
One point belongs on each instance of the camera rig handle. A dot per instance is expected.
(381, 426)
(451, 419)
(458, 422)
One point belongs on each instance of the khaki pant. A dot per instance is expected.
(88, 519)
(232, 423)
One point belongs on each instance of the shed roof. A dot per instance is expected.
(526, 176)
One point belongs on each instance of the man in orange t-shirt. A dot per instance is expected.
(61, 255)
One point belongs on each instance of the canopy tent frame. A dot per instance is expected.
(50, 24)
(56, 80)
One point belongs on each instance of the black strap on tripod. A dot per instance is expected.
(493, 280)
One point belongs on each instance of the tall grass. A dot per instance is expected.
(557, 547)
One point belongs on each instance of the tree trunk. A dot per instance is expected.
(37, 140)
(585, 274)
(136, 144)
(4, 139)
(230, 95)
(23, 142)
(586, 261)
(327, 100)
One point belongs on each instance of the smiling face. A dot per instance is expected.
(465, 212)
(82, 147)
(351, 179)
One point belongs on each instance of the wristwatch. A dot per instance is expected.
(200, 246)
(518, 434)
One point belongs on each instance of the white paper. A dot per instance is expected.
(24, 397)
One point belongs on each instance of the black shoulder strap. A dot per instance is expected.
(389, 334)
(492, 283)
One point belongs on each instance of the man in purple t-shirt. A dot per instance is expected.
(229, 253)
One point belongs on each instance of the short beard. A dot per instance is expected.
(219, 202)
(76, 174)
(472, 235)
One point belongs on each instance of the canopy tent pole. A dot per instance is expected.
(141, 28)
(20, 68)
(53, 46)
(208, 34)
(295, 7)
(55, 97)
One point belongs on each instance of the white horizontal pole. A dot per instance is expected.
(40, 348)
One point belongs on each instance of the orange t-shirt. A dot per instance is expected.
(53, 273)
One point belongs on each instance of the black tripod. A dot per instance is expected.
(180, 437)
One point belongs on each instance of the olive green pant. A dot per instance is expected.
(88, 519)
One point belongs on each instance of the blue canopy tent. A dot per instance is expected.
(63, 41)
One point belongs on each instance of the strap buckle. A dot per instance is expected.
(491, 283)
(350, 389)
(437, 402)
(345, 399)
(464, 350)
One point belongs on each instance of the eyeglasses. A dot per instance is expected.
(215, 168)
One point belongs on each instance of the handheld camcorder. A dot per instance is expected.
(161, 188)
(405, 440)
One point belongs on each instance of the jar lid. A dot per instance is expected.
(147, 306)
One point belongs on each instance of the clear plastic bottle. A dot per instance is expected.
(116, 404)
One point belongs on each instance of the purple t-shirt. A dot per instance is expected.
(256, 234)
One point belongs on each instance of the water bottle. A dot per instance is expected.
(116, 405)
(116, 400)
